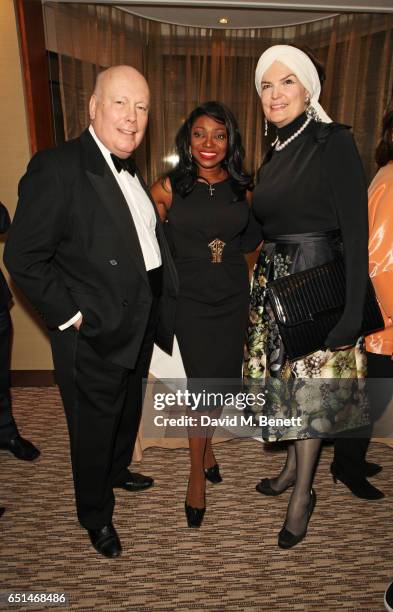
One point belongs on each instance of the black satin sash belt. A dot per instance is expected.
(301, 251)
(333, 235)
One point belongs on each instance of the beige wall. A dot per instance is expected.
(31, 349)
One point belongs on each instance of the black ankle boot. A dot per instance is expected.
(360, 487)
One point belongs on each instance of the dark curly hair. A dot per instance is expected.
(384, 150)
(184, 176)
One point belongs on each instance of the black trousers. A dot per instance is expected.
(103, 406)
(350, 453)
(7, 424)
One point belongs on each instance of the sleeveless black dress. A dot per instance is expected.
(212, 309)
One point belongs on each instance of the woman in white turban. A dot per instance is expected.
(311, 201)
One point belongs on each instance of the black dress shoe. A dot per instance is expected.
(213, 474)
(388, 599)
(265, 488)
(360, 487)
(135, 482)
(194, 515)
(287, 539)
(21, 448)
(106, 541)
(372, 469)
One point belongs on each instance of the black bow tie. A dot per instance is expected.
(128, 164)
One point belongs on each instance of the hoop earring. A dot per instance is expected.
(266, 127)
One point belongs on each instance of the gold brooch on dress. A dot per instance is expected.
(216, 246)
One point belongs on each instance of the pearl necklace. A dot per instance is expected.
(279, 146)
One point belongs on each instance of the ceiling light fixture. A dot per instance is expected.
(223, 20)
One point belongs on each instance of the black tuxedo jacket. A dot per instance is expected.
(73, 246)
(5, 293)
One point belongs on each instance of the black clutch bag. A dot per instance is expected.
(308, 304)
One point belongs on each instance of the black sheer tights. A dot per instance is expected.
(302, 457)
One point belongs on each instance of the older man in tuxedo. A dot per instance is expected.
(88, 249)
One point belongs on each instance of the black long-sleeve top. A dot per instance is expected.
(316, 183)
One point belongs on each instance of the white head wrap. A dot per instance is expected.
(302, 67)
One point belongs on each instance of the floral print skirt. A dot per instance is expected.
(321, 395)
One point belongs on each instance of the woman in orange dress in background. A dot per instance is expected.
(380, 247)
(379, 346)
(380, 208)
(349, 464)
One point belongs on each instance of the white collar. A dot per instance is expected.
(106, 153)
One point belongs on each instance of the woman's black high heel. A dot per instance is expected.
(194, 515)
(286, 539)
(265, 487)
(213, 474)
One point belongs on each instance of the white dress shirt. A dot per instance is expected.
(142, 213)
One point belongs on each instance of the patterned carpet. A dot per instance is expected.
(231, 564)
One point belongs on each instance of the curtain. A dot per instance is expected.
(186, 65)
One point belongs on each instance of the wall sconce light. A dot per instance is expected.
(172, 159)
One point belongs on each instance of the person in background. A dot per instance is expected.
(379, 345)
(10, 438)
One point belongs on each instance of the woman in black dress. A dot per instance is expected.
(311, 201)
(204, 201)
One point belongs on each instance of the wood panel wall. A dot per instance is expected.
(36, 73)
(24, 128)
